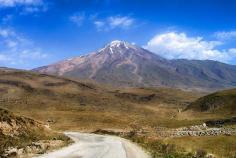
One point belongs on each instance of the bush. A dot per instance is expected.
(201, 153)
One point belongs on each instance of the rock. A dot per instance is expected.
(20, 151)
(210, 156)
(197, 130)
(47, 126)
(50, 121)
(11, 152)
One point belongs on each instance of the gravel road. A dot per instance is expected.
(97, 146)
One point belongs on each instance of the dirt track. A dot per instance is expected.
(98, 146)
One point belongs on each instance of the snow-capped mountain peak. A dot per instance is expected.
(118, 46)
(118, 43)
(122, 64)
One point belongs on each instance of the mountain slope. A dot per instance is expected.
(220, 102)
(122, 64)
(21, 132)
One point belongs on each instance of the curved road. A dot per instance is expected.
(98, 146)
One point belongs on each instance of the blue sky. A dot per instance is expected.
(39, 32)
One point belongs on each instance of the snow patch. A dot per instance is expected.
(125, 44)
(111, 50)
(116, 43)
(118, 46)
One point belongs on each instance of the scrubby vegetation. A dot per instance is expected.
(223, 102)
(188, 147)
(158, 149)
(17, 131)
(27, 138)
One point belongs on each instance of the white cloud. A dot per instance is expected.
(11, 43)
(6, 33)
(78, 19)
(113, 22)
(232, 52)
(13, 3)
(25, 6)
(223, 35)
(99, 24)
(35, 54)
(15, 50)
(35, 9)
(103, 24)
(122, 22)
(174, 45)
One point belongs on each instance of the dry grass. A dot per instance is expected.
(222, 146)
(76, 105)
(84, 105)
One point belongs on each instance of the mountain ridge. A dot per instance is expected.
(122, 64)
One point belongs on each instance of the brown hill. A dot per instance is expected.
(219, 102)
(68, 104)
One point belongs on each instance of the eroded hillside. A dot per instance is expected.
(24, 136)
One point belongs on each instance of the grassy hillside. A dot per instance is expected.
(66, 103)
(222, 102)
(18, 131)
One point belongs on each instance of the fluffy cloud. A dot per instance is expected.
(225, 35)
(113, 22)
(16, 50)
(174, 45)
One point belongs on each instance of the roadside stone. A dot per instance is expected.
(197, 130)
(11, 152)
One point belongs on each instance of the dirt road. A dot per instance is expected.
(98, 146)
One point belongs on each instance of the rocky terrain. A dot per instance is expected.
(221, 122)
(163, 132)
(122, 64)
(23, 136)
(197, 130)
